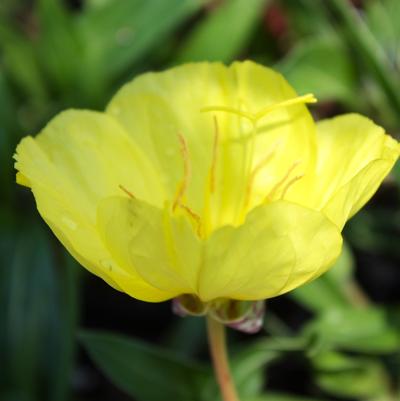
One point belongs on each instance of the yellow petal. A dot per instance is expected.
(163, 249)
(354, 156)
(280, 247)
(77, 159)
(156, 107)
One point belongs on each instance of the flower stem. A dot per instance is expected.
(217, 343)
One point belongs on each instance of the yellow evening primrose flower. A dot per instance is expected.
(205, 179)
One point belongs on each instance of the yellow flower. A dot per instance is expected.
(205, 180)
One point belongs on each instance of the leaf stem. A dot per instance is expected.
(217, 344)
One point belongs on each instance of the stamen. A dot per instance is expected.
(186, 172)
(130, 194)
(226, 109)
(309, 98)
(253, 117)
(281, 181)
(214, 156)
(290, 183)
(194, 216)
(255, 171)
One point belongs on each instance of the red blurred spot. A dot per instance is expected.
(275, 20)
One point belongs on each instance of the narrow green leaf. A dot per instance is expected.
(21, 63)
(364, 330)
(119, 34)
(281, 397)
(330, 290)
(362, 41)
(58, 48)
(31, 296)
(346, 376)
(309, 67)
(67, 324)
(144, 371)
(223, 33)
(382, 17)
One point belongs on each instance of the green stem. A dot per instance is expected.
(217, 343)
(363, 40)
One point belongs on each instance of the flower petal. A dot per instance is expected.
(77, 159)
(280, 247)
(354, 156)
(156, 107)
(162, 248)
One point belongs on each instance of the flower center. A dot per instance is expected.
(203, 223)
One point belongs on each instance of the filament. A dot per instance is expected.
(186, 172)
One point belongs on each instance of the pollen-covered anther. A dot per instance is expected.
(186, 172)
(129, 193)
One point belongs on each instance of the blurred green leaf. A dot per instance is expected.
(30, 294)
(322, 66)
(60, 388)
(281, 397)
(330, 290)
(383, 20)
(363, 42)
(186, 335)
(307, 17)
(346, 376)
(7, 133)
(21, 63)
(144, 371)
(116, 35)
(36, 332)
(223, 33)
(57, 47)
(364, 330)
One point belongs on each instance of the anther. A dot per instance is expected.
(130, 194)
(186, 172)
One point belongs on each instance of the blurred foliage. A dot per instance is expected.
(57, 54)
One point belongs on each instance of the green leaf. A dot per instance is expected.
(30, 299)
(119, 34)
(144, 371)
(60, 388)
(382, 17)
(281, 397)
(58, 48)
(7, 132)
(346, 376)
(363, 330)
(306, 17)
(223, 33)
(21, 63)
(360, 38)
(310, 67)
(331, 289)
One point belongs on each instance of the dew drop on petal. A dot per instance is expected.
(107, 264)
(71, 224)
